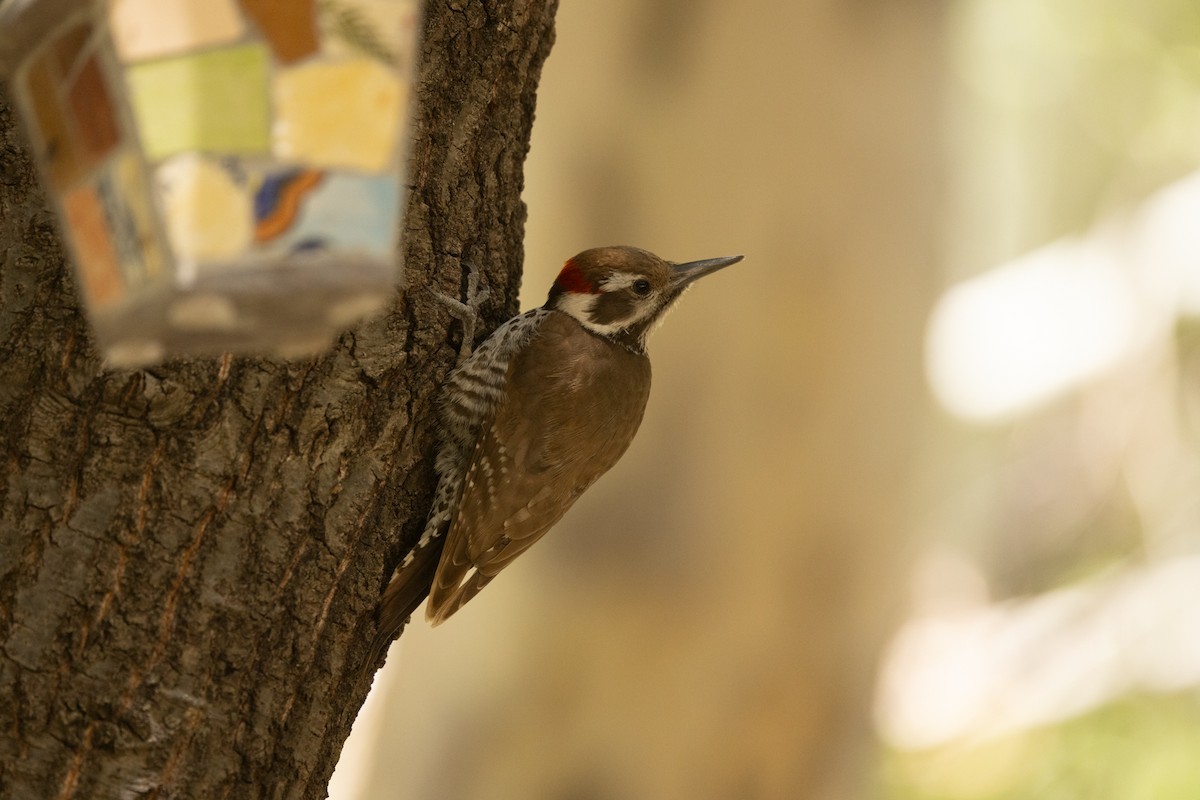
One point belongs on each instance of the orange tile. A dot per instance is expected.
(91, 106)
(289, 26)
(69, 46)
(51, 131)
(94, 251)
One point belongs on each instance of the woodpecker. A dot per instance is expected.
(531, 418)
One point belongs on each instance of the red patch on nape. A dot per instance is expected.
(572, 279)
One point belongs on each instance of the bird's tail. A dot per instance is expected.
(413, 578)
(408, 587)
(445, 600)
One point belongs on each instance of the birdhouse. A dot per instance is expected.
(228, 173)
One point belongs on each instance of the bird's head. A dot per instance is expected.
(621, 292)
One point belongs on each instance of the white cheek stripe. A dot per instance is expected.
(580, 306)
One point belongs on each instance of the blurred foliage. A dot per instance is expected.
(1061, 114)
(1060, 111)
(1139, 747)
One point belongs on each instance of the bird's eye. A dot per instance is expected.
(641, 286)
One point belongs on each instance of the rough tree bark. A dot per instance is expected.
(190, 554)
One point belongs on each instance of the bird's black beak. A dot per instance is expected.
(686, 273)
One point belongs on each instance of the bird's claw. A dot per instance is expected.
(466, 312)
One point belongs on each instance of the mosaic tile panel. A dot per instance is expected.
(196, 144)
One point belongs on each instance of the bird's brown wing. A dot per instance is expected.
(573, 405)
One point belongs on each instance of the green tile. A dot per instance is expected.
(215, 101)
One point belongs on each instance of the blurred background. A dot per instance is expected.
(914, 510)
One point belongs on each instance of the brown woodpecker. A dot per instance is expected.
(539, 411)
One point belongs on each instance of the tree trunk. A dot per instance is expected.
(190, 555)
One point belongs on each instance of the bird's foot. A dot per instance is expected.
(466, 312)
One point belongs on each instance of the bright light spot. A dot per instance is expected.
(1040, 326)
(1165, 247)
(1030, 330)
(1007, 667)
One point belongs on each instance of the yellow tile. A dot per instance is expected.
(339, 114)
(215, 101)
(209, 214)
